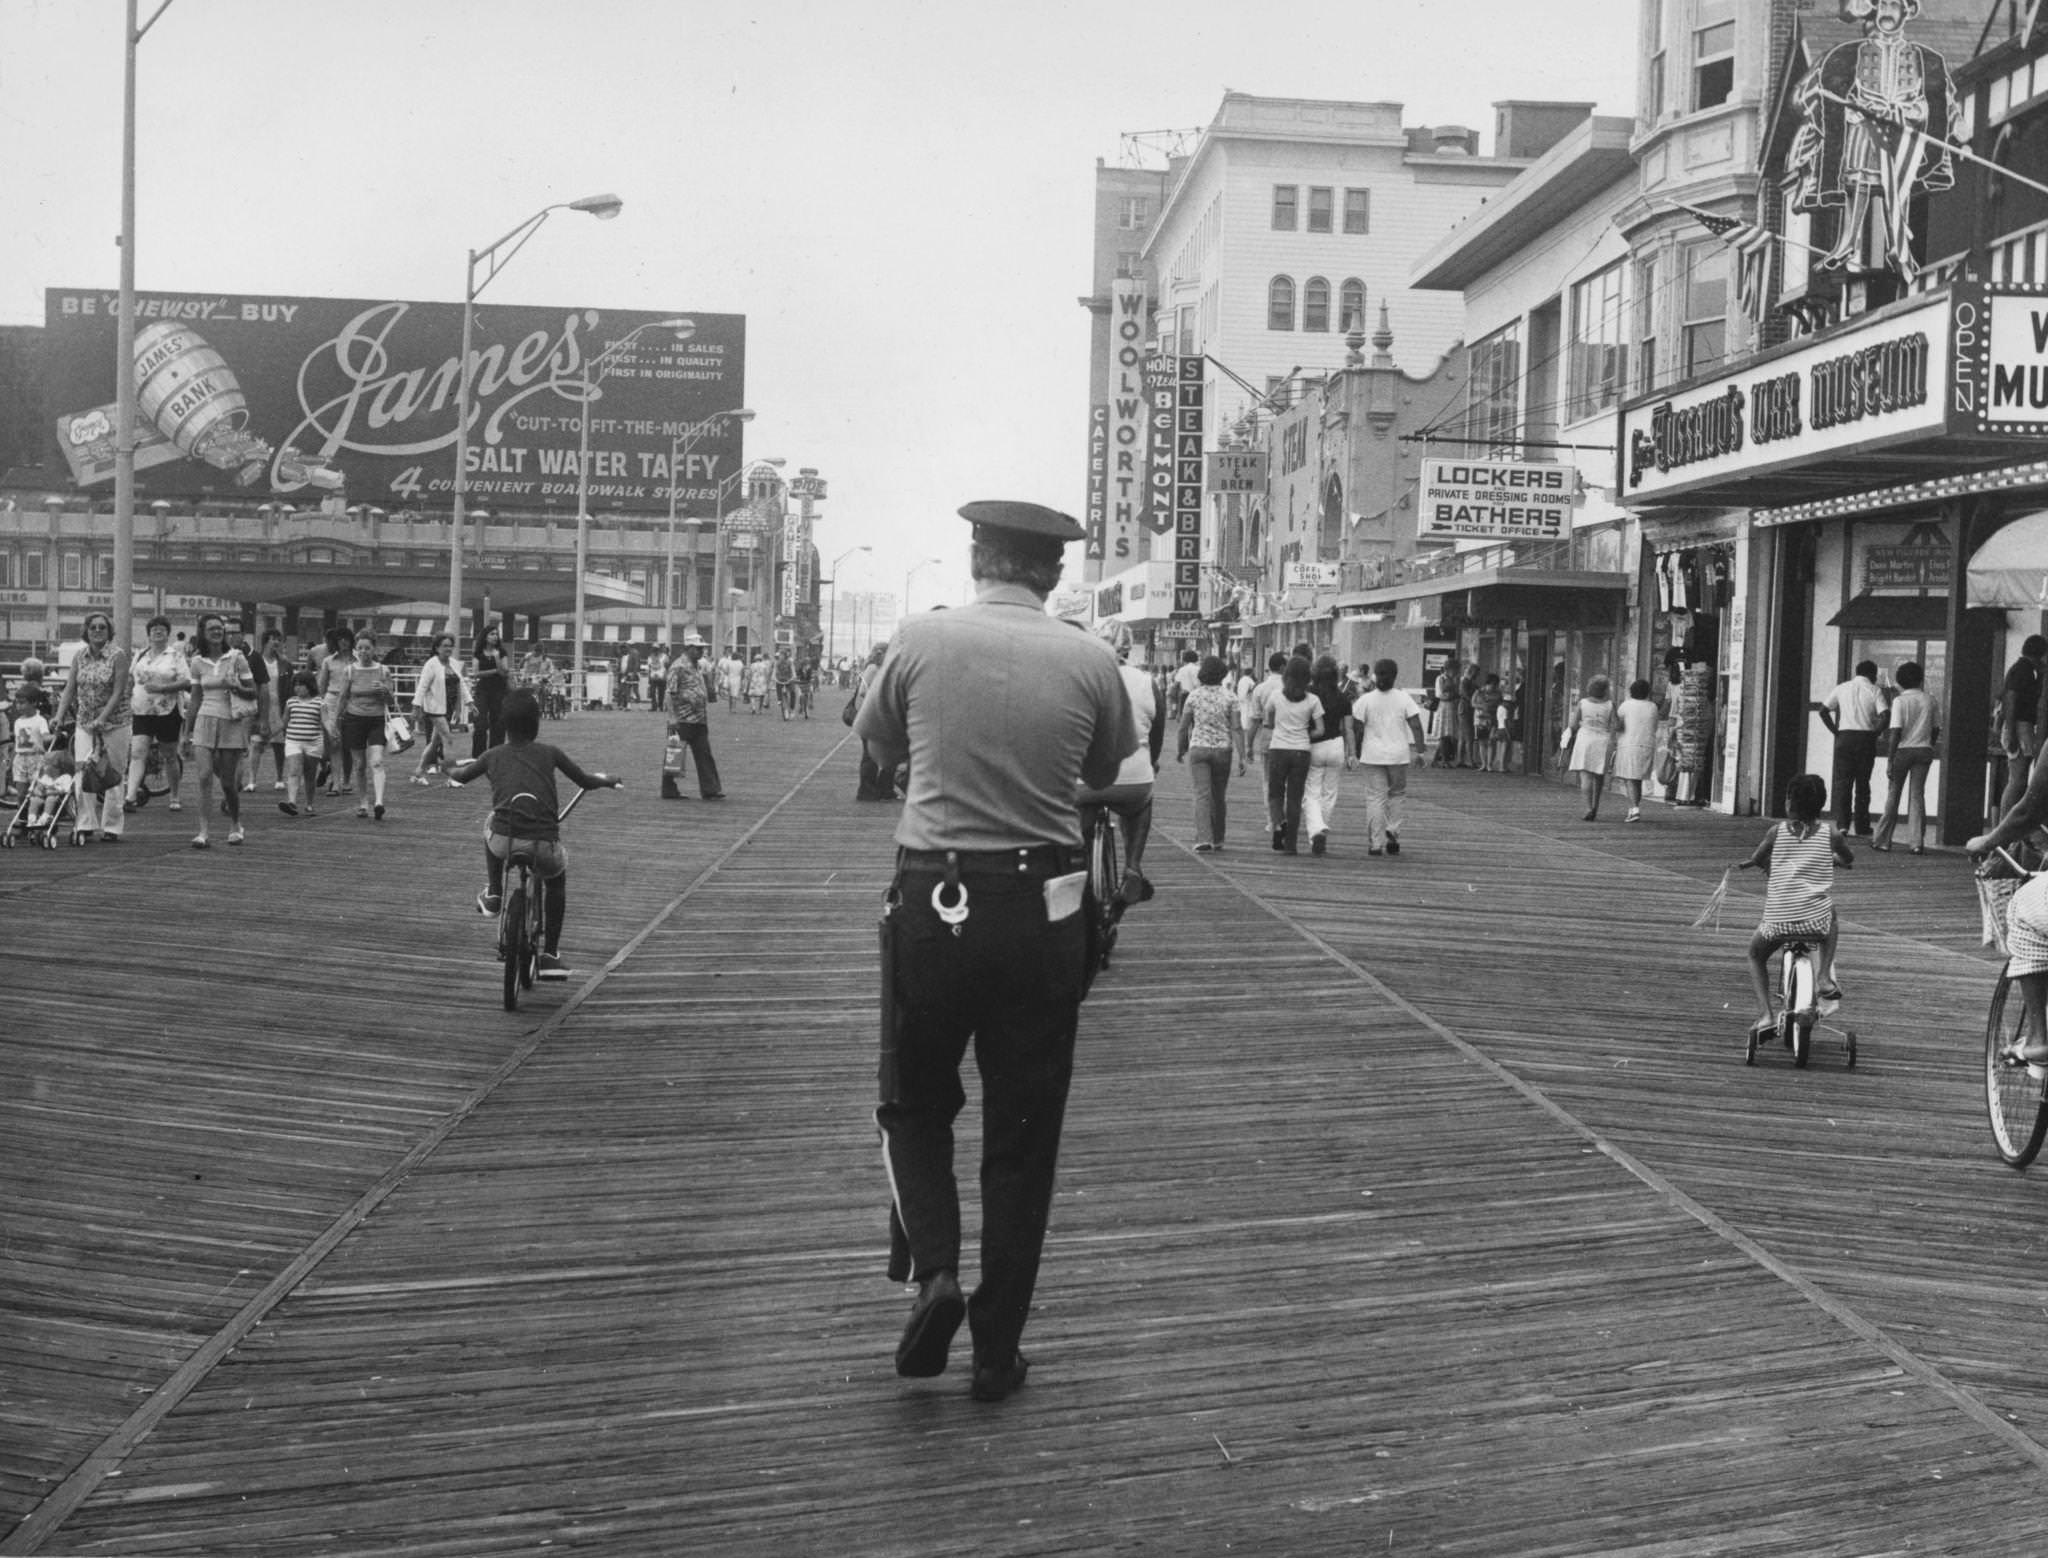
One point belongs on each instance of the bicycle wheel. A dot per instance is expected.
(529, 965)
(2018, 1102)
(512, 937)
(1802, 1040)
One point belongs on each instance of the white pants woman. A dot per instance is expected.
(1319, 799)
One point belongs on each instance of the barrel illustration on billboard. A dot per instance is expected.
(187, 390)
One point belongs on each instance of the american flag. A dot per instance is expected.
(1753, 246)
(1902, 146)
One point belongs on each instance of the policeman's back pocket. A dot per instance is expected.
(1063, 895)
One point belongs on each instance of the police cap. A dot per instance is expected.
(1026, 522)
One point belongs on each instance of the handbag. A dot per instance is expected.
(852, 708)
(241, 705)
(397, 733)
(97, 774)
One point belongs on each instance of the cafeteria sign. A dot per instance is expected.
(1495, 499)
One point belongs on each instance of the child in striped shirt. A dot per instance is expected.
(1801, 854)
(305, 734)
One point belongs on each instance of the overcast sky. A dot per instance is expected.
(897, 195)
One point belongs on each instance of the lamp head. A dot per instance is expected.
(603, 207)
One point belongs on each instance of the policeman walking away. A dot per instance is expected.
(1000, 709)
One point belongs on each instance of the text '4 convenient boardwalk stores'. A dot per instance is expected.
(1860, 472)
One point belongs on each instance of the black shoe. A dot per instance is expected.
(929, 1334)
(993, 1381)
(1277, 845)
(1393, 845)
(1319, 844)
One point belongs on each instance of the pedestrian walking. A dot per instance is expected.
(1635, 745)
(983, 935)
(1589, 738)
(1329, 754)
(160, 677)
(758, 682)
(2019, 704)
(1291, 716)
(273, 687)
(657, 679)
(1258, 735)
(1912, 735)
(217, 720)
(366, 698)
(689, 715)
(1854, 714)
(493, 679)
(436, 697)
(1390, 739)
(1489, 732)
(95, 703)
(1211, 739)
(877, 783)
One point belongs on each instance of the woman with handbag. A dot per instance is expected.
(493, 681)
(161, 676)
(435, 699)
(96, 697)
(218, 719)
(366, 698)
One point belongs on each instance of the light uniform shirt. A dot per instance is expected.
(1000, 709)
(1253, 715)
(1137, 767)
(1913, 717)
(1858, 705)
(1385, 716)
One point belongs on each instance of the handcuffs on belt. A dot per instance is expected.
(952, 914)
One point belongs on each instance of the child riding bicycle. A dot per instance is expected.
(1801, 854)
(526, 812)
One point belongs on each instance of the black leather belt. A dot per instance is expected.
(1037, 860)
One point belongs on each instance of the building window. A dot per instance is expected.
(1351, 305)
(1127, 262)
(1704, 340)
(1319, 209)
(1653, 86)
(1315, 304)
(31, 570)
(1133, 212)
(1646, 324)
(1276, 391)
(1280, 303)
(1357, 210)
(1285, 198)
(73, 571)
(1597, 343)
(103, 571)
(319, 554)
(1496, 385)
(6, 570)
(1713, 53)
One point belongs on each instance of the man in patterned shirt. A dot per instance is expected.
(689, 715)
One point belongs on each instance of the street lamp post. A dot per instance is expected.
(678, 449)
(604, 208)
(124, 348)
(832, 617)
(929, 562)
(594, 369)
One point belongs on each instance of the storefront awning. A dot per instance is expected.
(2011, 569)
(1915, 616)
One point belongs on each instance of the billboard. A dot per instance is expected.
(262, 396)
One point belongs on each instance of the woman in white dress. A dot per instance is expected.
(1590, 739)
(1635, 745)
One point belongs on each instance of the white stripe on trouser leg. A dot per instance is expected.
(895, 1195)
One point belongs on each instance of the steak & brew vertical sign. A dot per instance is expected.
(1187, 487)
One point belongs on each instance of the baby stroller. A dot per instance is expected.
(50, 832)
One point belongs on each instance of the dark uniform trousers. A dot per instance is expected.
(1011, 982)
(1855, 757)
(696, 735)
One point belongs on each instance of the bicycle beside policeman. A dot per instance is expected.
(1000, 709)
